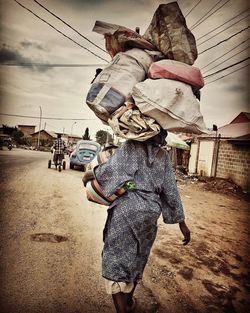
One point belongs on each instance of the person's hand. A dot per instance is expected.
(186, 233)
(88, 175)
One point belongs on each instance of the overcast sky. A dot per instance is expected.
(61, 91)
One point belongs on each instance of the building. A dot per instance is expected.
(27, 130)
(225, 153)
(47, 138)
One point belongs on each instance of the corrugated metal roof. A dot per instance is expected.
(234, 130)
(243, 117)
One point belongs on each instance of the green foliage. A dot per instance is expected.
(103, 136)
(8, 130)
(18, 136)
(86, 135)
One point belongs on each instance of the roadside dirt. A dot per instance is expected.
(51, 242)
(211, 274)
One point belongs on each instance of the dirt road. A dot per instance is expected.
(51, 241)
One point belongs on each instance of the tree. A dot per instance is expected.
(86, 135)
(8, 130)
(19, 137)
(103, 136)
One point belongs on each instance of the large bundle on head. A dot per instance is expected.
(154, 72)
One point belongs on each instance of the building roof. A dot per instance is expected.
(243, 117)
(234, 130)
(50, 133)
(22, 125)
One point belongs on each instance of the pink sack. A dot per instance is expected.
(175, 70)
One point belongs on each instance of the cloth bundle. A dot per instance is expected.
(130, 123)
(154, 72)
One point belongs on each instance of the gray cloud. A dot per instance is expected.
(10, 55)
(33, 44)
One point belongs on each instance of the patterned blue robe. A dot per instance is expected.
(131, 225)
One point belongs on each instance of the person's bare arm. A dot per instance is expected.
(88, 175)
(186, 232)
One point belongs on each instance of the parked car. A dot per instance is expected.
(84, 153)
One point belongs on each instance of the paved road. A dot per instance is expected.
(51, 240)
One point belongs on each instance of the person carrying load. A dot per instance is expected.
(59, 148)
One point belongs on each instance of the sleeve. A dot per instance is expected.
(120, 168)
(172, 209)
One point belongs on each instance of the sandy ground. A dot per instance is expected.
(51, 241)
(211, 274)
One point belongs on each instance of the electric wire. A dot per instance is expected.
(225, 53)
(226, 75)
(193, 8)
(225, 68)
(217, 44)
(226, 59)
(51, 65)
(50, 118)
(60, 31)
(60, 19)
(205, 15)
(222, 31)
(211, 14)
(221, 25)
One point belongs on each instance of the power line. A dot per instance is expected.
(227, 74)
(222, 30)
(225, 68)
(204, 15)
(224, 40)
(220, 25)
(60, 31)
(211, 14)
(69, 26)
(193, 8)
(51, 64)
(225, 53)
(50, 118)
(226, 60)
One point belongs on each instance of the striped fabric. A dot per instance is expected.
(94, 190)
(95, 194)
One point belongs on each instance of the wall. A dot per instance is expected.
(234, 163)
(205, 158)
(27, 130)
(192, 166)
(43, 137)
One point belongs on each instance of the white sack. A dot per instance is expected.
(171, 103)
(113, 86)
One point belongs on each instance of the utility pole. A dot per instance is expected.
(40, 122)
(72, 131)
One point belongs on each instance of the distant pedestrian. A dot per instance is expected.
(59, 148)
(131, 225)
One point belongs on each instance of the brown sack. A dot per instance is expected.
(120, 39)
(168, 32)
